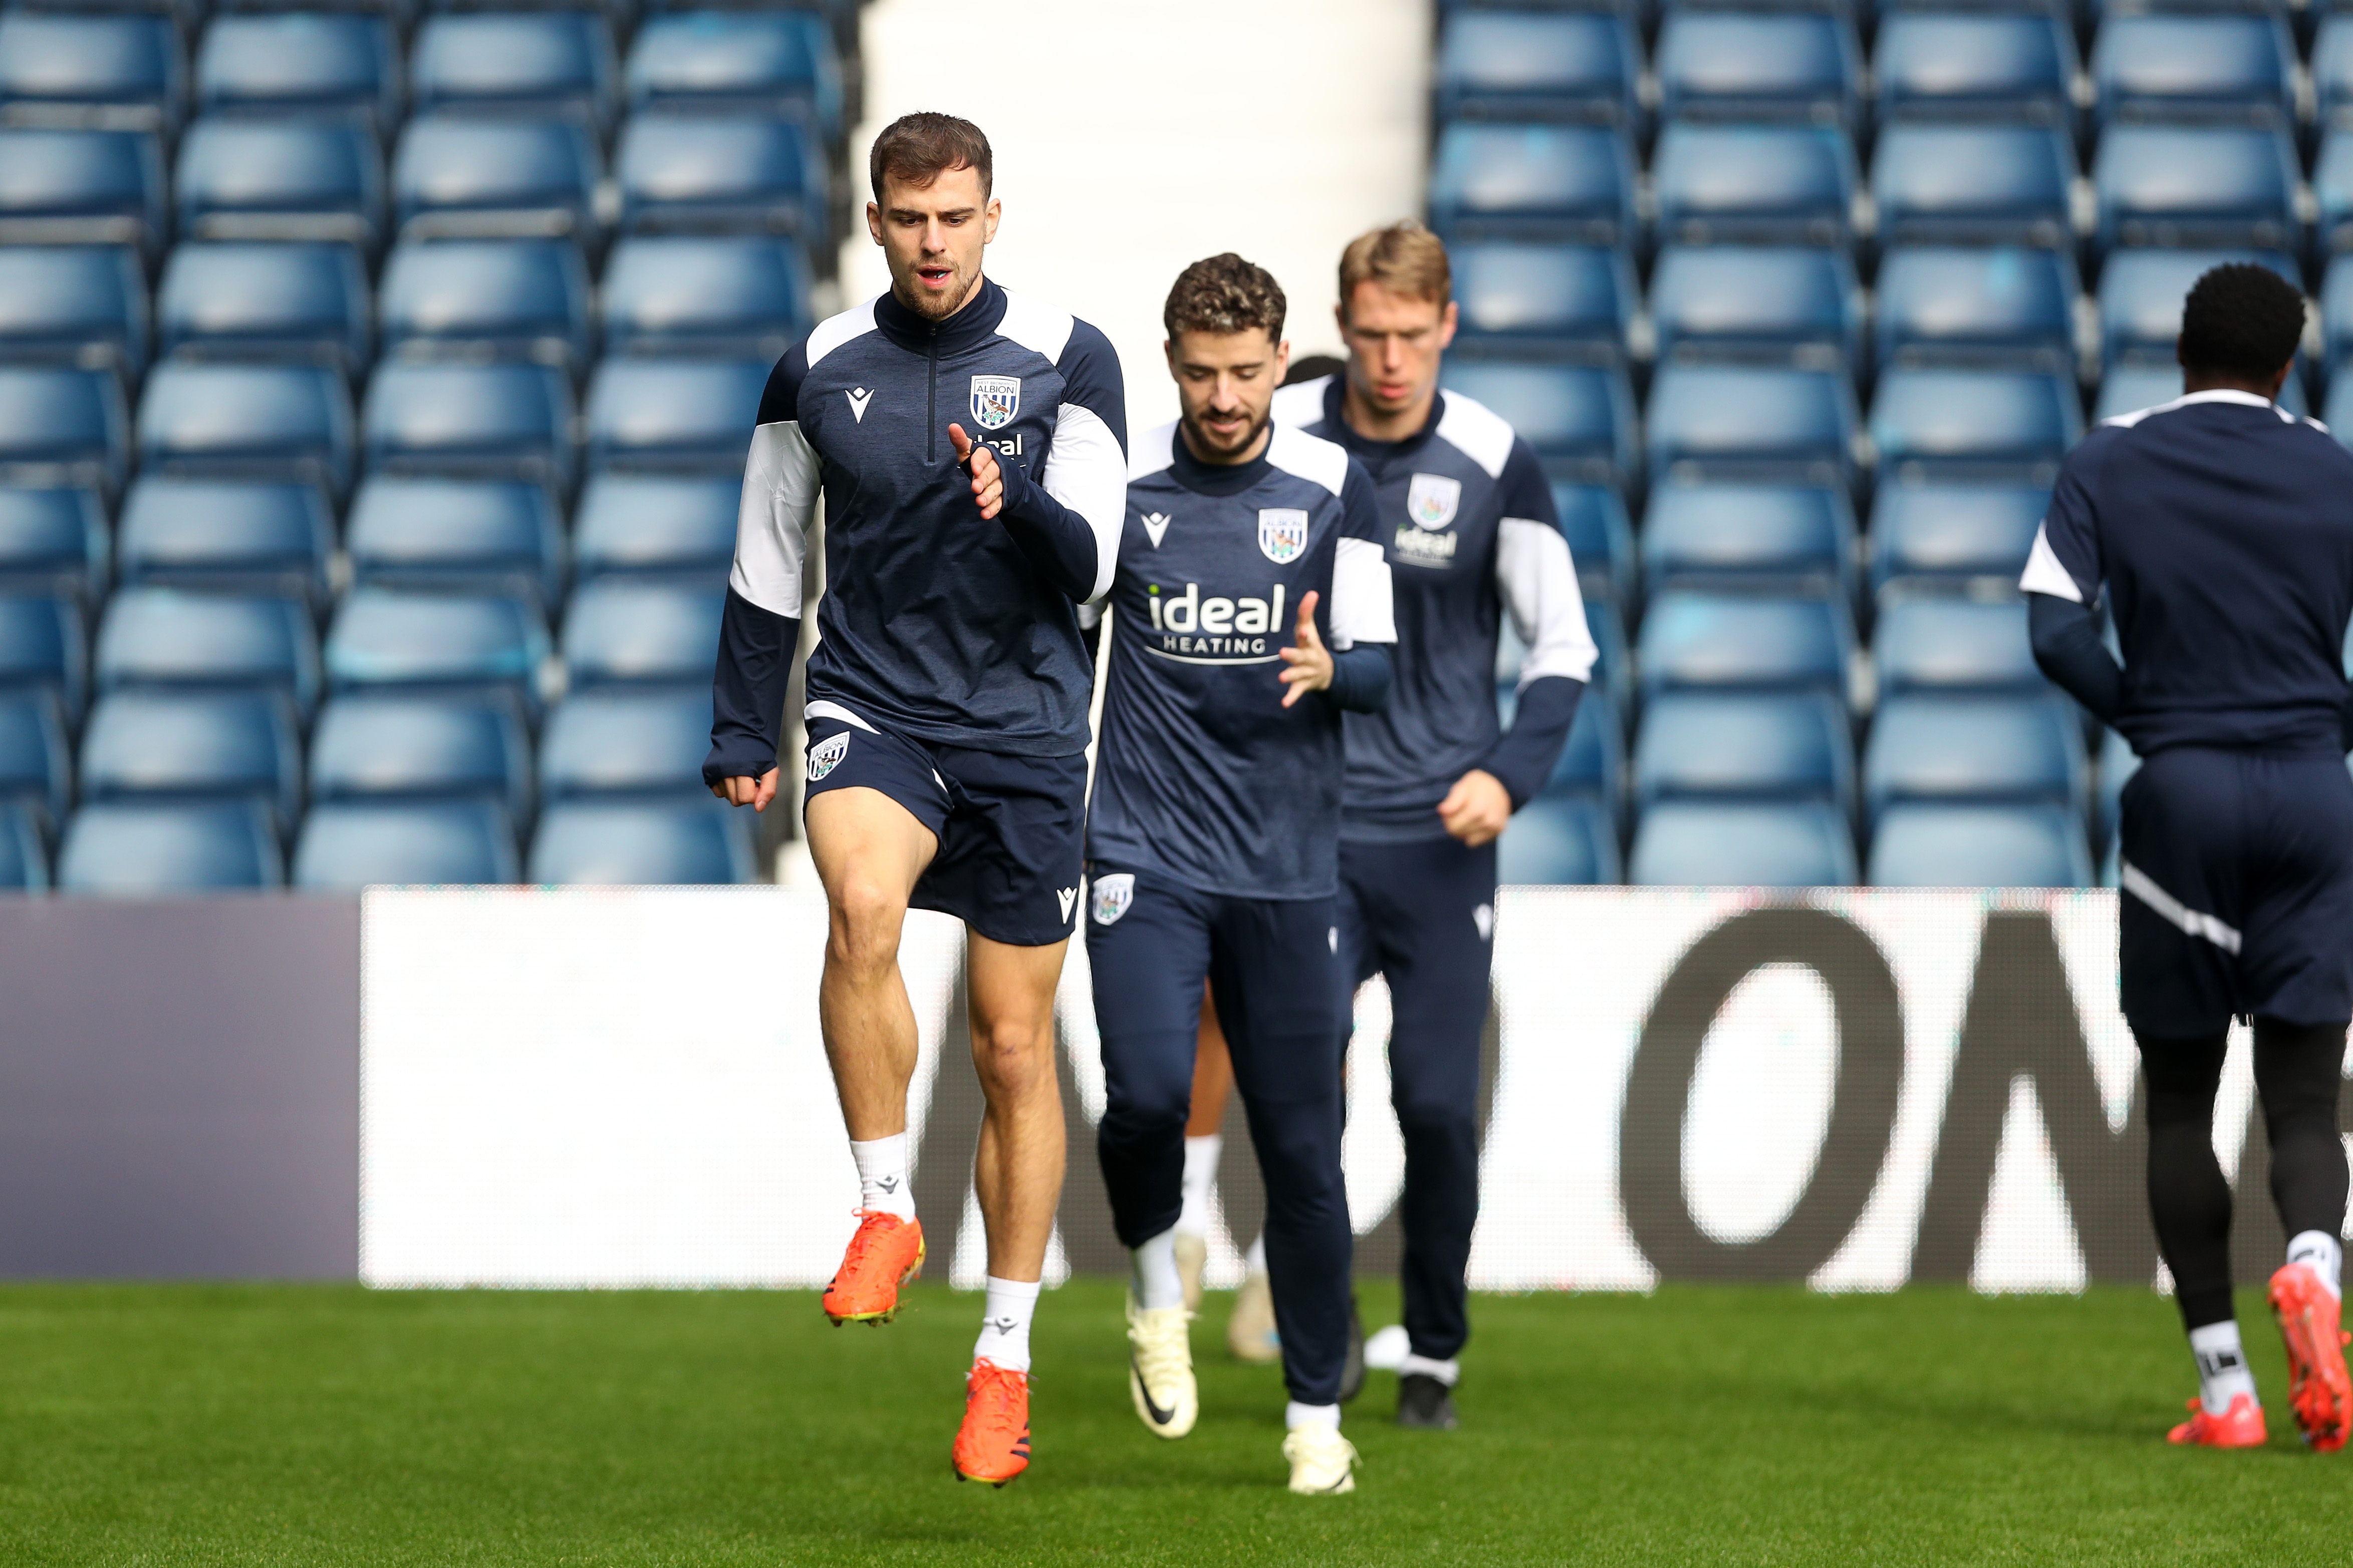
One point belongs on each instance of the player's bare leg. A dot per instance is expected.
(868, 852)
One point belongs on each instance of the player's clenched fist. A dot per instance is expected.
(1310, 660)
(754, 793)
(980, 460)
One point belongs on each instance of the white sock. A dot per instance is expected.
(1157, 1283)
(1447, 1372)
(1256, 1261)
(2222, 1373)
(2320, 1252)
(1295, 1415)
(1200, 1175)
(882, 1184)
(1004, 1323)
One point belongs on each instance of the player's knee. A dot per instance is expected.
(1015, 1057)
(865, 919)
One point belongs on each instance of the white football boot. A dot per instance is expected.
(1160, 1368)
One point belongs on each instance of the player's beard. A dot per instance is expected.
(1203, 442)
(938, 308)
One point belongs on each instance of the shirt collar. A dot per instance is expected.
(967, 329)
(1217, 479)
(1366, 446)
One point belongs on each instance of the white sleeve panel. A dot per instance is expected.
(1362, 607)
(1086, 471)
(1538, 582)
(2044, 574)
(781, 487)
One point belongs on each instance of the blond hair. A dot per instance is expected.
(1405, 257)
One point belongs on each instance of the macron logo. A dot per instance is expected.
(1066, 896)
(859, 399)
(1155, 525)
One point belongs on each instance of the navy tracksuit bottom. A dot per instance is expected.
(1421, 914)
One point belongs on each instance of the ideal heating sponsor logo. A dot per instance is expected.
(1216, 630)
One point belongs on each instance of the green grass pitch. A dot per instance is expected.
(146, 1426)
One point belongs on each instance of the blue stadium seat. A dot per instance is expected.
(2131, 386)
(1738, 844)
(273, 421)
(1961, 422)
(1727, 422)
(1534, 66)
(1941, 642)
(606, 842)
(1973, 306)
(679, 414)
(2332, 72)
(1770, 304)
(1743, 66)
(1770, 184)
(247, 301)
(302, 63)
(24, 864)
(1592, 763)
(1579, 419)
(120, 73)
(1923, 845)
(195, 745)
(1613, 667)
(271, 536)
(770, 62)
(1954, 531)
(474, 535)
(1565, 301)
(2236, 69)
(675, 524)
(166, 637)
(1549, 184)
(2197, 185)
(1986, 67)
(459, 178)
(1974, 750)
(53, 539)
(478, 421)
(1600, 538)
(624, 633)
(1973, 185)
(388, 640)
(63, 425)
(36, 761)
(2332, 186)
(421, 748)
(728, 295)
(1752, 746)
(544, 65)
(2337, 317)
(137, 849)
(280, 179)
(82, 188)
(1697, 640)
(510, 299)
(43, 648)
(2141, 294)
(721, 174)
(1563, 842)
(75, 304)
(349, 845)
(622, 742)
(1787, 536)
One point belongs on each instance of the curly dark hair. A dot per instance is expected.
(1224, 294)
(2242, 321)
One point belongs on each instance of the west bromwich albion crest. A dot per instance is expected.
(996, 399)
(1430, 500)
(1282, 534)
(826, 753)
(1114, 893)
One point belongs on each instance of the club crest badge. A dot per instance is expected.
(827, 754)
(1282, 534)
(1113, 894)
(1430, 501)
(996, 399)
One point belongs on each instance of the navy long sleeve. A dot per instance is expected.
(1360, 678)
(747, 690)
(1522, 757)
(2068, 649)
(1060, 543)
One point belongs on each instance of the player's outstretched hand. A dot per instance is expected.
(1477, 809)
(1310, 661)
(754, 793)
(980, 461)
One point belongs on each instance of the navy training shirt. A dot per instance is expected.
(2221, 528)
(936, 623)
(1470, 530)
(1203, 775)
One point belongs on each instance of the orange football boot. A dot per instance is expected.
(993, 1444)
(2318, 1390)
(2239, 1426)
(886, 1253)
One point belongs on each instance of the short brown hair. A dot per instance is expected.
(1404, 257)
(920, 148)
(1225, 294)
